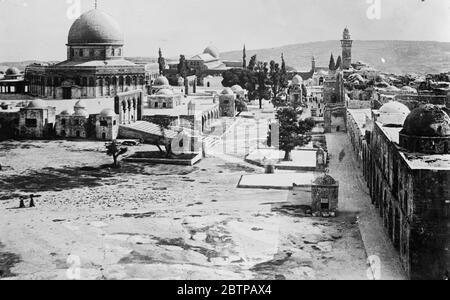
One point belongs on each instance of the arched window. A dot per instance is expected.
(92, 53)
(113, 52)
(72, 53)
(81, 52)
(119, 52)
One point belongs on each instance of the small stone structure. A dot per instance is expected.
(325, 196)
(227, 100)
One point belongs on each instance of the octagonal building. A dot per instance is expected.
(95, 65)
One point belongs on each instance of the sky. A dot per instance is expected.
(37, 29)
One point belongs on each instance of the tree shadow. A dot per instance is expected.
(67, 178)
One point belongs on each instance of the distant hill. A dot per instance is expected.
(399, 56)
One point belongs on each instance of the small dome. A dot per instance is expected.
(213, 51)
(12, 71)
(297, 80)
(65, 113)
(165, 92)
(107, 112)
(38, 103)
(227, 91)
(325, 180)
(427, 121)
(409, 89)
(81, 113)
(95, 27)
(80, 104)
(160, 81)
(237, 88)
(394, 107)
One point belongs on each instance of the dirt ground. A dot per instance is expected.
(157, 221)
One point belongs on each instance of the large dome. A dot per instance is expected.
(427, 121)
(13, 71)
(95, 27)
(213, 51)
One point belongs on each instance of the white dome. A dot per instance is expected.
(297, 80)
(227, 91)
(237, 88)
(38, 103)
(213, 51)
(161, 81)
(80, 104)
(165, 92)
(394, 107)
(107, 112)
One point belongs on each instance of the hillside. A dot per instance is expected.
(399, 56)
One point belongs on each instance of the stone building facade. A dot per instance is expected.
(407, 168)
(73, 125)
(164, 98)
(227, 103)
(325, 196)
(13, 82)
(36, 120)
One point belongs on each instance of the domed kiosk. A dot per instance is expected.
(325, 196)
(426, 130)
(95, 65)
(227, 103)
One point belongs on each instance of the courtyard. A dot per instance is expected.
(158, 221)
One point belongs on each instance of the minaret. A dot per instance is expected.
(346, 43)
(313, 67)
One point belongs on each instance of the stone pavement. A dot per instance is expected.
(355, 198)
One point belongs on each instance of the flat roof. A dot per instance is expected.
(202, 104)
(360, 116)
(417, 161)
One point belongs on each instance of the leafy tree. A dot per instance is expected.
(332, 65)
(244, 58)
(245, 78)
(161, 63)
(262, 92)
(284, 82)
(292, 132)
(338, 63)
(164, 124)
(275, 78)
(115, 150)
(252, 63)
(182, 67)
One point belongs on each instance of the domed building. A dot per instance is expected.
(73, 125)
(106, 125)
(13, 82)
(36, 120)
(295, 91)
(227, 103)
(95, 65)
(426, 130)
(164, 98)
(407, 169)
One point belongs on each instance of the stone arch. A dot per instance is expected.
(121, 83)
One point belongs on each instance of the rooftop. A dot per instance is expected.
(360, 116)
(417, 161)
